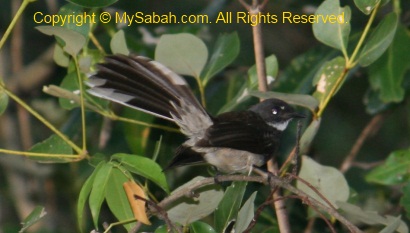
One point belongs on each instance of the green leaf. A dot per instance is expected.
(88, 3)
(366, 6)
(246, 214)
(379, 40)
(70, 83)
(188, 210)
(229, 206)
(306, 101)
(387, 73)
(72, 97)
(326, 78)
(333, 26)
(36, 215)
(252, 84)
(82, 26)
(137, 135)
(371, 217)
(394, 171)
(144, 167)
(324, 179)
(272, 69)
(183, 53)
(60, 57)
(225, 51)
(118, 43)
(84, 193)
(392, 226)
(74, 41)
(298, 75)
(405, 199)
(54, 145)
(201, 227)
(373, 102)
(4, 101)
(309, 135)
(117, 199)
(98, 191)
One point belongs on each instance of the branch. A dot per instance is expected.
(254, 10)
(371, 128)
(273, 181)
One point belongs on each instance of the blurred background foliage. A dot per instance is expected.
(26, 64)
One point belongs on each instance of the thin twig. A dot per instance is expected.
(313, 189)
(371, 128)
(332, 229)
(254, 10)
(16, 45)
(161, 212)
(259, 211)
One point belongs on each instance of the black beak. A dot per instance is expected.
(297, 115)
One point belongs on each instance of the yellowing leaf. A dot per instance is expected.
(138, 206)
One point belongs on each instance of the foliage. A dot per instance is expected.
(128, 178)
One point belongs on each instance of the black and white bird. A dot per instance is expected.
(233, 142)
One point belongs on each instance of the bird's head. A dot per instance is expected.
(276, 113)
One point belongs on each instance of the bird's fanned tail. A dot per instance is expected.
(143, 84)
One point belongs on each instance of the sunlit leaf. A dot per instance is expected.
(144, 167)
(379, 40)
(324, 179)
(395, 169)
(183, 53)
(333, 26)
(36, 215)
(224, 53)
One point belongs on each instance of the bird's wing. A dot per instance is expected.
(249, 133)
(151, 87)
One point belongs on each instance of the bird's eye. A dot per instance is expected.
(274, 111)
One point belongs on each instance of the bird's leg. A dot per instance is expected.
(266, 174)
(217, 174)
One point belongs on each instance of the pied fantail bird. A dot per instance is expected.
(233, 142)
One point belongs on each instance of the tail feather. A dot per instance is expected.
(142, 84)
